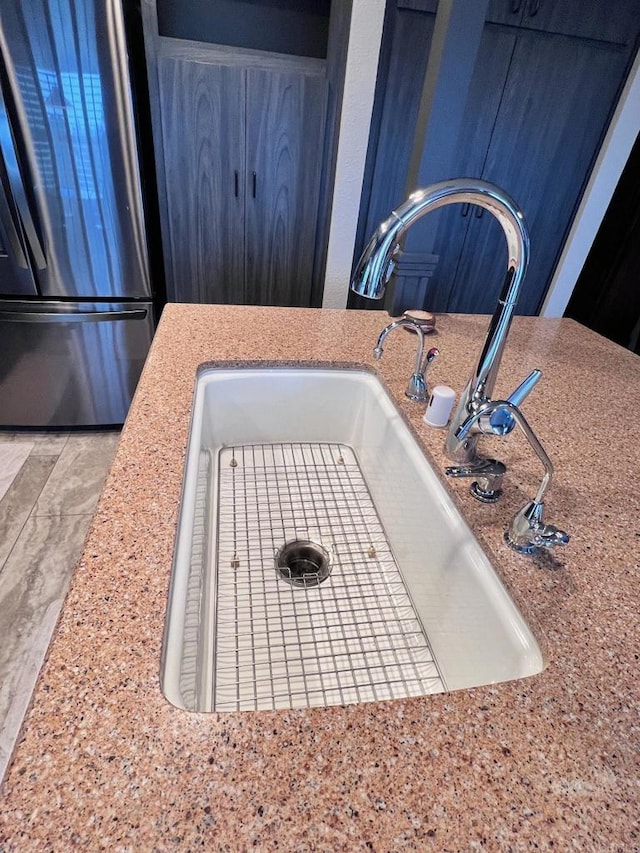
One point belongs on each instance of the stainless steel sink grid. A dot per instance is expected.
(355, 637)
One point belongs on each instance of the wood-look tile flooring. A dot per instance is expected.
(44, 519)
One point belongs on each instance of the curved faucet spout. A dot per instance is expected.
(376, 265)
(417, 387)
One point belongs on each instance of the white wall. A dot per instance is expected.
(365, 35)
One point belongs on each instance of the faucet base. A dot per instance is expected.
(485, 496)
(417, 389)
(528, 534)
(463, 452)
(526, 548)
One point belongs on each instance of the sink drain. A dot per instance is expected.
(303, 563)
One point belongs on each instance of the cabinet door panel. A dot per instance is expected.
(450, 223)
(614, 20)
(553, 113)
(409, 53)
(506, 11)
(285, 128)
(202, 109)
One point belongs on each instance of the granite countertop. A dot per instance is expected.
(548, 762)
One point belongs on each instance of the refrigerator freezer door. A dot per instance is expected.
(69, 103)
(71, 364)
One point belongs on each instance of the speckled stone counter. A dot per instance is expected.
(549, 762)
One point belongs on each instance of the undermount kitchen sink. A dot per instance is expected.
(319, 560)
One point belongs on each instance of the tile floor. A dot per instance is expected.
(44, 518)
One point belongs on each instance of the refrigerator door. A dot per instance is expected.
(69, 105)
(71, 364)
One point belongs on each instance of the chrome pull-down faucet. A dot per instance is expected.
(376, 265)
(476, 413)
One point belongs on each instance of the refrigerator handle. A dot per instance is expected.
(72, 316)
(17, 185)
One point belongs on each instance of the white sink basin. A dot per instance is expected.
(281, 454)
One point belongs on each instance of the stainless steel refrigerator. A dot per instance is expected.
(76, 309)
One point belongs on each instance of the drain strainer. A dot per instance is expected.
(303, 563)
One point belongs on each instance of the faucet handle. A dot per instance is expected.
(549, 535)
(431, 355)
(487, 488)
(525, 387)
(500, 420)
